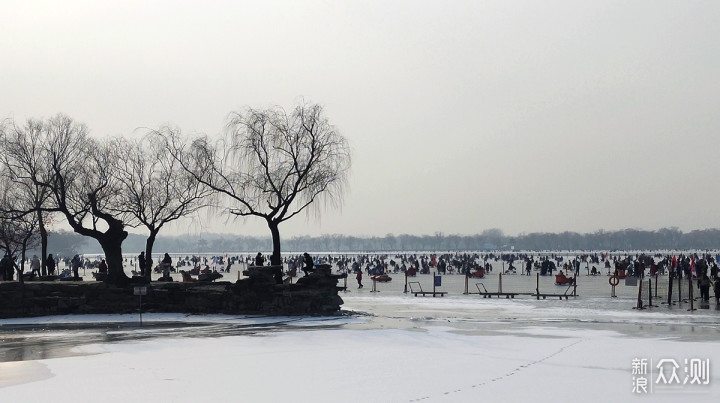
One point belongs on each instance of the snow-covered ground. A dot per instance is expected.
(388, 347)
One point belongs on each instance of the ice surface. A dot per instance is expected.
(393, 348)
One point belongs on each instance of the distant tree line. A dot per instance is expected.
(627, 239)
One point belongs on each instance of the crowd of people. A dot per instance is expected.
(702, 267)
(32, 268)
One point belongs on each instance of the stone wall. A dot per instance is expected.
(258, 294)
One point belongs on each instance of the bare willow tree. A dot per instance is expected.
(18, 233)
(272, 164)
(24, 164)
(155, 189)
(85, 190)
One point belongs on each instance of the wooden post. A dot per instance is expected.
(500, 285)
(670, 286)
(537, 285)
(639, 297)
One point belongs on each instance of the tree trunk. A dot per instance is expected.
(148, 252)
(112, 246)
(21, 268)
(43, 242)
(275, 259)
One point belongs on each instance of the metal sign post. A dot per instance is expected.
(140, 291)
(437, 282)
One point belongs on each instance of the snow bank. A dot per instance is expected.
(393, 365)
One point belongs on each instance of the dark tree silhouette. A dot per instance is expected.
(85, 190)
(155, 189)
(272, 165)
(17, 234)
(24, 165)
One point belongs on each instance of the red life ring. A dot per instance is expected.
(614, 280)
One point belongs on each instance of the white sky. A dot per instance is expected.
(462, 115)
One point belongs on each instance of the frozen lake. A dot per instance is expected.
(387, 346)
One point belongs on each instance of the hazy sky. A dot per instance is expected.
(462, 115)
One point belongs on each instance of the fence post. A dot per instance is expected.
(656, 284)
(692, 300)
(650, 293)
(639, 297)
(574, 286)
